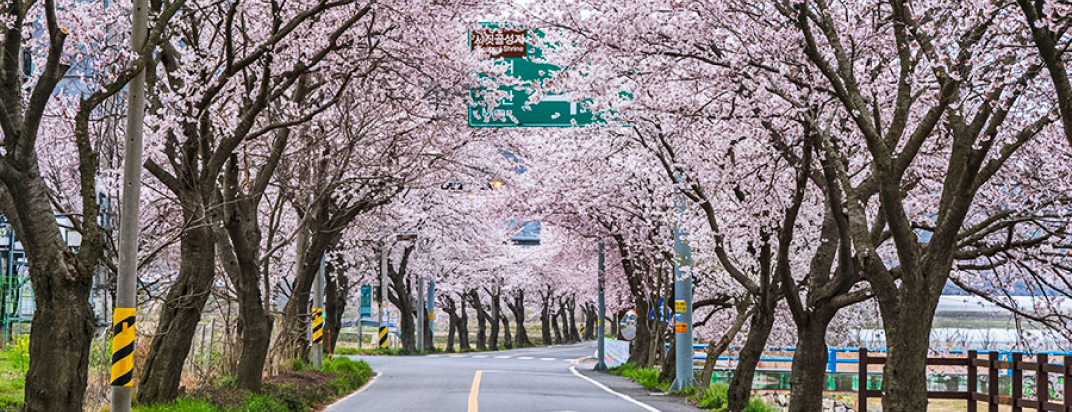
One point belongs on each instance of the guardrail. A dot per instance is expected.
(833, 359)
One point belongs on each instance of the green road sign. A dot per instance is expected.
(518, 108)
(366, 302)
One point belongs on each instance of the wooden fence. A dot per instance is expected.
(992, 368)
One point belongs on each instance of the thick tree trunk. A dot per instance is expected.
(63, 322)
(590, 318)
(567, 336)
(517, 307)
(668, 369)
(507, 337)
(463, 327)
(493, 319)
(640, 349)
(481, 321)
(336, 288)
(545, 321)
(759, 329)
(575, 336)
(554, 325)
(179, 315)
(808, 377)
(904, 377)
(452, 320)
(715, 348)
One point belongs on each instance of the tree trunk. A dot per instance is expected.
(336, 288)
(545, 321)
(567, 336)
(808, 377)
(904, 377)
(493, 319)
(554, 325)
(740, 390)
(481, 321)
(463, 327)
(668, 370)
(180, 313)
(507, 337)
(63, 322)
(589, 322)
(452, 321)
(517, 306)
(575, 336)
(717, 348)
(640, 349)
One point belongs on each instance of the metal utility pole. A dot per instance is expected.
(383, 295)
(600, 337)
(420, 314)
(122, 373)
(682, 313)
(316, 355)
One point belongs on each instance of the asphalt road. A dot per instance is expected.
(545, 379)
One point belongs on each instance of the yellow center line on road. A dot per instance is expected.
(474, 392)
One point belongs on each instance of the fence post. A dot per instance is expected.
(993, 380)
(973, 381)
(862, 397)
(1017, 381)
(831, 360)
(1068, 383)
(1042, 382)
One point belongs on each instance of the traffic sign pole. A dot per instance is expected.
(430, 313)
(682, 313)
(316, 353)
(383, 296)
(600, 337)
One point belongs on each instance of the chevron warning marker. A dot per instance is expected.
(318, 326)
(123, 346)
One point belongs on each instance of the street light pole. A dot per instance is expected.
(600, 336)
(122, 371)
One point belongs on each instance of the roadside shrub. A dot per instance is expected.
(715, 397)
(646, 377)
(757, 405)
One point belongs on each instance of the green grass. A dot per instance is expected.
(646, 377)
(14, 362)
(347, 350)
(300, 390)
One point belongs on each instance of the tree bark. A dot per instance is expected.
(507, 337)
(517, 307)
(545, 319)
(481, 321)
(808, 377)
(668, 369)
(63, 321)
(463, 326)
(493, 319)
(575, 336)
(452, 321)
(717, 348)
(740, 390)
(904, 377)
(554, 325)
(180, 313)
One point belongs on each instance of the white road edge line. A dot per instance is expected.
(612, 392)
(375, 375)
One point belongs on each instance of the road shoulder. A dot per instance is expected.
(664, 403)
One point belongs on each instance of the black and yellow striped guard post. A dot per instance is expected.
(383, 337)
(123, 346)
(318, 326)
